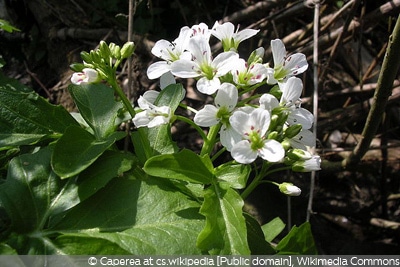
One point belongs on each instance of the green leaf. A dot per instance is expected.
(235, 175)
(171, 96)
(109, 165)
(299, 241)
(77, 149)
(97, 106)
(29, 191)
(185, 165)
(5, 25)
(225, 230)
(273, 228)
(25, 117)
(125, 216)
(257, 243)
(141, 217)
(158, 140)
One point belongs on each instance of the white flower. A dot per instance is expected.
(253, 127)
(243, 74)
(230, 39)
(151, 116)
(289, 189)
(85, 77)
(225, 102)
(313, 164)
(291, 92)
(203, 65)
(169, 52)
(285, 66)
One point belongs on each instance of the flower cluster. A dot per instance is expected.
(250, 125)
(277, 128)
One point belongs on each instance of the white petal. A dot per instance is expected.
(229, 137)
(303, 140)
(144, 103)
(157, 121)
(227, 96)
(206, 117)
(301, 116)
(268, 102)
(167, 79)
(243, 153)
(291, 90)
(225, 62)
(183, 39)
(240, 122)
(160, 49)
(200, 49)
(245, 34)
(272, 151)
(296, 63)
(207, 86)
(150, 96)
(141, 119)
(278, 52)
(185, 69)
(157, 69)
(260, 119)
(223, 31)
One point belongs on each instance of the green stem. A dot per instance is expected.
(209, 142)
(219, 152)
(256, 181)
(123, 97)
(189, 121)
(251, 88)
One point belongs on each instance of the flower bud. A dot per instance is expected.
(293, 130)
(312, 164)
(127, 50)
(256, 56)
(104, 49)
(289, 189)
(273, 135)
(115, 51)
(95, 58)
(298, 154)
(86, 57)
(77, 67)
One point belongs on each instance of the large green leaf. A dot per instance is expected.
(185, 165)
(127, 215)
(30, 190)
(141, 217)
(225, 230)
(109, 165)
(77, 149)
(25, 117)
(97, 105)
(299, 241)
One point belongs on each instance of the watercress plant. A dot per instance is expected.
(69, 187)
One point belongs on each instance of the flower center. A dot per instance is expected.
(280, 72)
(256, 141)
(223, 115)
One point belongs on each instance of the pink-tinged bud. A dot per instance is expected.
(85, 77)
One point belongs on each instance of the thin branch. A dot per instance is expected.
(388, 74)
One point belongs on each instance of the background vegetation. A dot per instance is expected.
(355, 209)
